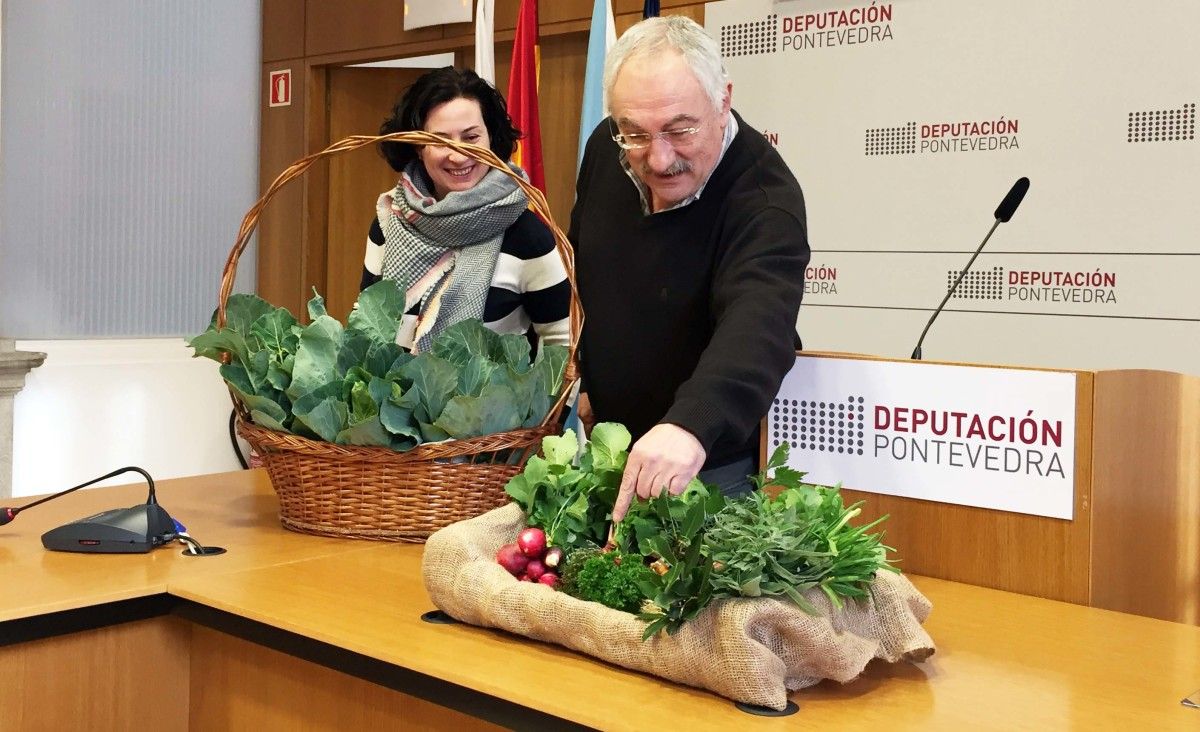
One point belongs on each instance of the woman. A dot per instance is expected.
(457, 233)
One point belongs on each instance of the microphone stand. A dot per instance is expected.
(8, 514)
(916, 354)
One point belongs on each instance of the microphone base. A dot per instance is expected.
(134, 530)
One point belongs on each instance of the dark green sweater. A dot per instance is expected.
(690, 314)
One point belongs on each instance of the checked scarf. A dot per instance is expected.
(466, 226)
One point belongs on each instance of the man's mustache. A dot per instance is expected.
(677, 167)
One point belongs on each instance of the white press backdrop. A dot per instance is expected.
(906, 122)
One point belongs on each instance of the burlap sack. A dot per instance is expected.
(752, 650)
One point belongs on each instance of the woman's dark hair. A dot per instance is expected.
(438, 87)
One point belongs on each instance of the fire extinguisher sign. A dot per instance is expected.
(280, 94)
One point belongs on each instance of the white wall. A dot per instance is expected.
(99, 405)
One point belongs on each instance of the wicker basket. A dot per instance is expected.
(375, 492)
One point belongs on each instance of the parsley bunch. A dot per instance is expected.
(612, 579)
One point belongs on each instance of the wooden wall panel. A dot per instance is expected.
(314, 187)
(506, 14)
(560, 96)
(625, 19)
(51, 684)
(1042, 557)
(550, 13)
(359, 101)
(361, 24)
(280, 236)
(282, 29)
(1147, 494)
(237, 685)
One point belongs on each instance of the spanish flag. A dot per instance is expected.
(523, 94)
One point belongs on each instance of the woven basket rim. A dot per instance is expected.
(523, 438)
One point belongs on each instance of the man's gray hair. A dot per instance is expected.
(676, 33)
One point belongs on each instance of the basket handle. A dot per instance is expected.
(537, 201)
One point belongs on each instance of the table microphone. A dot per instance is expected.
(1004, 212)
(136, 529)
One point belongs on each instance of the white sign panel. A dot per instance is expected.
(995, 438)
(905, 124)
(421, 13)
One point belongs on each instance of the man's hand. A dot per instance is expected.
(668, 457)
(583, 408)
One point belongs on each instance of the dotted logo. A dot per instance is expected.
(980, 285)
(1163, 125)
(751, 38)
(819, 426)
(900, 140)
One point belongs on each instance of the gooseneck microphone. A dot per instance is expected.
(8, 514)
(1003, 213)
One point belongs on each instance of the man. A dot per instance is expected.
(690, 240)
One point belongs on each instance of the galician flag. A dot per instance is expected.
(601, 38)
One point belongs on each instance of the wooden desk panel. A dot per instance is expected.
(1004, 661)
(239, 685)
(121, 677)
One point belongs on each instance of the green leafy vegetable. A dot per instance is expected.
(475, 375)
(434, 380)
(572, 504)
(458, 343)
(316, 356)
(494, 410)
(354, 385)
(756, 546)
(378, 312)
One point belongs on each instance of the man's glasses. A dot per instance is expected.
(678, 137)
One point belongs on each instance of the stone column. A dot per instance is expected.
(14, 365)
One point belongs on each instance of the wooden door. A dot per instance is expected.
(359, 100)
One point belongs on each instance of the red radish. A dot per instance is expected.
(532, 542)
(534, 569)
(511, 558)
(549, 578)
(553, 558)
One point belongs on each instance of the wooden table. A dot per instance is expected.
(294, 632)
